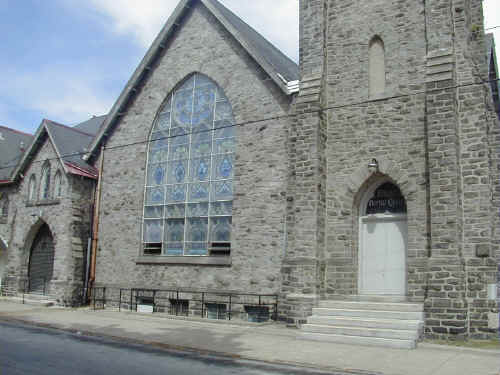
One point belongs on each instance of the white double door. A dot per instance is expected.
(382, 255)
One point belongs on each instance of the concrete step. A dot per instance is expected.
(372, 314)
(378, 306)
(369, 298)
(361, 331)
(360, 340)
(343, 321)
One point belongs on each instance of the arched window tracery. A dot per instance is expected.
(32, 188)
(57, 185)
(45, 182)
(189, 184)
(377, 71)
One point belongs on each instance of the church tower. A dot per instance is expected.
(394, 183)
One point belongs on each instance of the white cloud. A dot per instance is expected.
(277, 20)
(58, 93)
(142, 19)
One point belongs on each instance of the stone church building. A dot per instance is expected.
(368, 172)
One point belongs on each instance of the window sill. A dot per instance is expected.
(3, 219)
(46, 202)
(185, 260)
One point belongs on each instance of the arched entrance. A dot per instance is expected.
(3, 261)
(383, 231)
(41, 262)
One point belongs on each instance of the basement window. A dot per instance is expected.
(257, 314)
(216, 311)
(179, 307)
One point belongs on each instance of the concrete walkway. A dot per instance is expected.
(264, 342)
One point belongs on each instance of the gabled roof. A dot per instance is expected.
(282, 70)
(13, 143)
(70, 144)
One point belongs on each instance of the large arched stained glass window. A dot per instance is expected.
(188, 197)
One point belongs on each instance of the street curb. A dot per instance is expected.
(444, 347)
(178, 348)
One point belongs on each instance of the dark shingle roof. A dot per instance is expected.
(71, 143)
(280, 62)
(11, 150)
(91, 126)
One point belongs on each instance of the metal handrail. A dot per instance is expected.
(129, 298)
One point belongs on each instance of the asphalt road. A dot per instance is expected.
(31, 350)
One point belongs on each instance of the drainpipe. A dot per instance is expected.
(95, 229)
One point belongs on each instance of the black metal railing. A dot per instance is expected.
(34, 286)
(201, 304)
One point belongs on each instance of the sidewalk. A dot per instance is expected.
(268, 342)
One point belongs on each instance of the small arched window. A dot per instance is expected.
(188, 196)
(45, 182)
(57, 185)
(377, 66)
(32, 188)
(4, 205)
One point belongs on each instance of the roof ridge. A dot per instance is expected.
(16, 131)
(70, 128)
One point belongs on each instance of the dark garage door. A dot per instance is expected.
(41, 263)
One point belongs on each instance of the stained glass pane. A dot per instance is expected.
(153, 212)
(223, 146)
(156, 174)
(177, 172)
(174, 230)
(203, 112)
(155, 196)
(197, 230)
(163, 122)
(182, 109)
(201, 149)
(221, 208)
(153, 231)
(223, 167)
(199, 191)
(222, 190)
(175, 211)
(202, 80)
(223, 112)
(196, 248)
(176, 193)
(179, 152)
(197, 209)
(200, 169)
(154, 156)
(220, 229)
(189, 84)
(224, 129)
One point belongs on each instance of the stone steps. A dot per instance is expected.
(387, 321)
(372, 314)
(365, 323)
(377, 306)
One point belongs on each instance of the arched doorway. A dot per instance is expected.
(3, 262)
(383, 231)
(41, 262)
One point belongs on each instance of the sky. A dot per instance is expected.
(67, 60)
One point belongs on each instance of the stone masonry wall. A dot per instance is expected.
(390, 128)
(26, 218)
(202, 45)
